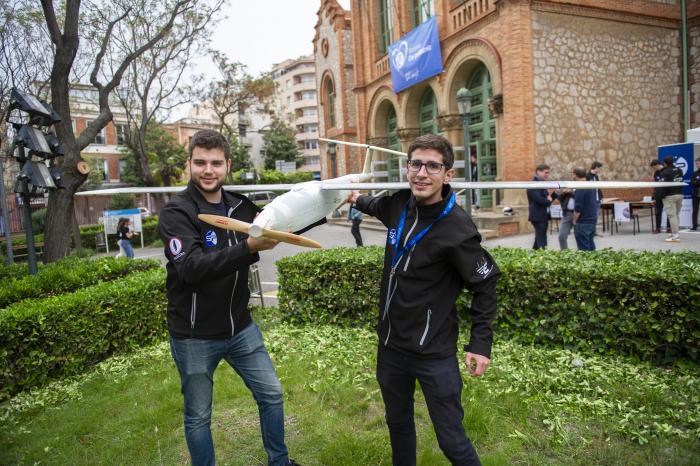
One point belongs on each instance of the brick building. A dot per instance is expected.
(562, 82)
(108, 149)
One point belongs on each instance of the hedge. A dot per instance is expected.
(63, 335)
(634, 303)
(67, 275)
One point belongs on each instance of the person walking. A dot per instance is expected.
(124, 235)
(538, 201)
(355, 216)
(585, 215)
(659, 198)
(673, 197)
(695, 182)
(566, 224)
(207, 291)
(433, 249)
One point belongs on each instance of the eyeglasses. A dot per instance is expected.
(433, 168)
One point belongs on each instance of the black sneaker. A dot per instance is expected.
(292, 463)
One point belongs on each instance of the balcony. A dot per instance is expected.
(306, 136)
(305, 120)
(304, 86)
(381, 67)
(469, 13)
(304, 103)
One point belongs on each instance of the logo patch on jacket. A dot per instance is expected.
(484, 267)
(392, 236)
(210, 238)
(175, 246)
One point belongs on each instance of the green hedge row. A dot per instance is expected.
(63, 335)
(643, 304)
(67, 275)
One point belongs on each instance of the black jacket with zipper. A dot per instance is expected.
(420, 317)
(207, 284)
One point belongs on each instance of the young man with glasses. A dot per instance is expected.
(433, 250)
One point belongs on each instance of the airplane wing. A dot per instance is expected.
(509, 185)
(241, 188)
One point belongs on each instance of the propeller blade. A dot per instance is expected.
(291, 238)
(243, 227)
(225, 222)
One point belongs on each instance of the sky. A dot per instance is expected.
(260, 33)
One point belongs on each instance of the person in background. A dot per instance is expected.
(673, 197)
(695, 182)
(476, 193)
(566, 199)
(355, 216)
(594, 175)
(124, 235)
(539, 201)
(585, 215)
(659, 197)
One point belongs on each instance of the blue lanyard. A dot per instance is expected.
(398, 253)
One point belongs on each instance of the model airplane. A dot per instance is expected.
(309, 202)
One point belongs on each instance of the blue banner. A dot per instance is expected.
(682, 158)
(416, 56)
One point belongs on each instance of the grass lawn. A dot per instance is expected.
(535, 406)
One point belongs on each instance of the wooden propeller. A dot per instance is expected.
(243, 227)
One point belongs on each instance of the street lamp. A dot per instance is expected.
(464, 104)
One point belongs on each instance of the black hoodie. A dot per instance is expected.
(421, 318)
(207, 284)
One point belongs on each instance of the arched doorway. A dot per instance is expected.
(427, 113)
(482, 130)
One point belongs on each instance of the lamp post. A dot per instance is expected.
(464, 104)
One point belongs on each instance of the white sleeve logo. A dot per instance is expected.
(484, 268)
(175, 246)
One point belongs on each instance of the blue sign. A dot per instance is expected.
(416, 56)
(121, 213)
(682, 158)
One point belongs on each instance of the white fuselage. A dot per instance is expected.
(305, 204)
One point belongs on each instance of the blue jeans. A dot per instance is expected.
(245, 352)
(584, 233)
(125, 244)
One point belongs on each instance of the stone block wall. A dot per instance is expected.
(603, 90)
(694, 74)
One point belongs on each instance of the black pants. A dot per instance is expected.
(659, 209)
(441, 383)
(696, 204)
(355, 230)
(540, 235)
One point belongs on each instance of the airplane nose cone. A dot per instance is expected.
(255, 231)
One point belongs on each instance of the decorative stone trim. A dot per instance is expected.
(407, 134)
(576, 10)
(496, 105)
(449, 122)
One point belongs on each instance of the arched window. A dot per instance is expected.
(482, 129)
(427, 116)
(330, 102)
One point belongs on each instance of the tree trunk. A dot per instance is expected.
(77, 240)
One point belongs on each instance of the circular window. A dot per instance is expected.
(324, 47)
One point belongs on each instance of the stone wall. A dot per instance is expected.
(603, 90)
(694, 74)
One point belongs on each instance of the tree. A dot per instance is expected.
(279, 143)
(235, 92)
(240, 155)
(24, 53)
(153, 82)
(100, 24)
